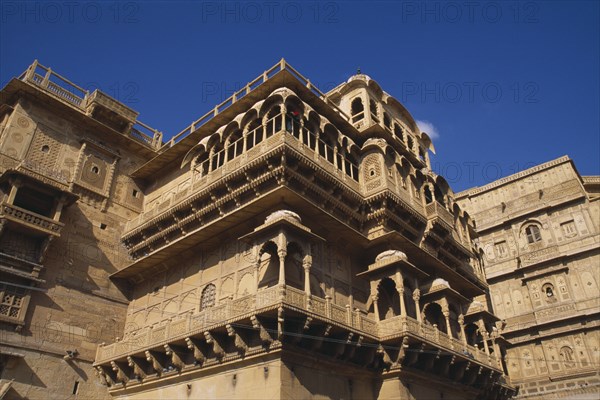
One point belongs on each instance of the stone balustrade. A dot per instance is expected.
(435, 210)
(189, 324)
(30, 219)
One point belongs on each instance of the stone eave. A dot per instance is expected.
(278, 224)
(427, 262)
(386, 264)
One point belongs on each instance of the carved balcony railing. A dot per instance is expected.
(189, 324)
(30, 219)
(401, 326)
(245, 151)
(67, 91)
(250, 87)
(438, 213)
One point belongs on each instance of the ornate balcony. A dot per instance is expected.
(438, 214)
(30, 219)
(258, 323)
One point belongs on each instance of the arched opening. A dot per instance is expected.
(274, 118)
(472, 334)
(567, 355)
(255, 134)
(207, 299)
(327, 143)
(439, 196)
(386, 121)
(409, 302)
(533, 234)
(201, 164)
(428, 195)
(217, 157)
(410, 143)
(294, 274)
(373, 109)
(351, 166)
(268, 273)
(399, 132)
(235, 145)
(358, 110)
(388, 302)
(435, 317)
(454, 325)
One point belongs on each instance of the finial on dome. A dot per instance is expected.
(358, 71)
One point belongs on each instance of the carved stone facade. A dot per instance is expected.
(288, 244)
(539, 232)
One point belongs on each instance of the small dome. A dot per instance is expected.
(391, 254)
(361, 77)
(440, 281)
(287, 214)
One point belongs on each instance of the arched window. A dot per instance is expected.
(533, 234)
(566, 354)
(428, 195)
(386, 121)
(409, 143)
(357, 109)
(548, 292)
(399, 132)
(207, 299)
(373, 108)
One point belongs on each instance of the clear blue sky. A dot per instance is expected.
(505, 84)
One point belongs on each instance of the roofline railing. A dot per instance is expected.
(79, 97)
(250, 86)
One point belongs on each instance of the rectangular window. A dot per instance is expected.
(13, 302)
(568, 228)
(501, 249)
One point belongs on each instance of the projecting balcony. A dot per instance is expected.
(258, 323)
(437, 213)
(30, 220)
(240, 169)
(190, 324)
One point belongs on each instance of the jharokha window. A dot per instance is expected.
(13, 303)
(533, 234)
(207, 299)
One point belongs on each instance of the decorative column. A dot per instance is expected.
(461, 323)
(416, 298)
(16, 184)
(58, 208)
(400, 288)
(485, 336)
(307, 263)
(376, 307)
(256, 271)
(446, 313)
(282, 253)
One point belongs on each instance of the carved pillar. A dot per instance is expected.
(496, 349)
(416, 298)
(16, 184)
(402, 305)
(256, 272)
(461, 323)
(307, 263)
(400, 288)
(282, 253)
(210, 159)
(485, 336)
(376, 307)
(446, 312)
(58, 209)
